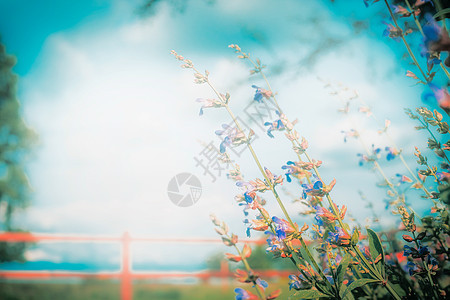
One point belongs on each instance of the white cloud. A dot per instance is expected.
(117, 119)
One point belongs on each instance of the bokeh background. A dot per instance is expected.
(116, 116)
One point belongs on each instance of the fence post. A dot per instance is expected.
(224, 272)
(126, 289)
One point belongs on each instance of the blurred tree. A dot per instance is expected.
(16, 139)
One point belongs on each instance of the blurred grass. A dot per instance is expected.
(110, 290)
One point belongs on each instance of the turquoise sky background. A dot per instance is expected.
(117, 117)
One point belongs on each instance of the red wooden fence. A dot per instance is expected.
(125, 275)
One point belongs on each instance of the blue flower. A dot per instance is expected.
(262, 283)
(411, 267)
(280, 228)
(275, 125)
(260, 93)
(407, 250)
(241, 294)
(294, 282)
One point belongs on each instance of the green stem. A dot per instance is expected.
(270, 225)
(373, 270)
(268, 181)
(411, 54)
(400, 155)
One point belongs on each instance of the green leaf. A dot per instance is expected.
(342, 269)
(349, 296)
(310, 294)
(376, 249)
(322, 287)
(441, 13)
(398, 289)
(356, 284)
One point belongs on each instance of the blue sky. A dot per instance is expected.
(117, 117)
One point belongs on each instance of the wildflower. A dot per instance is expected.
(369, 158)
(317, 189)
(392, 31)
(440, 94)
(387, 123)
(275, 125)
(415, 253)
(235, 174)
(262, 283)
(400, 10)
(235, 46)
(432, 263)
(404, 178)
(232, 257)
(273, 179)
(230, 241)
(293, 135)
(407, 219)
(283, 228)
(242, 294)
(327, 215)
(392, 153)
(339, 237)
(261, 93)
(366, 110)
(421, 2)
(298, 282)
(298, 170)
(251, 187)
(412, 268)
(274, 244)
(443, 176)
(233, 136)
(407, 238)
(350, 133)
(207, 103)
(435, 39)
(259, 225)
(242, 276)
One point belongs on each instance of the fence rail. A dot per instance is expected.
(125, 275)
